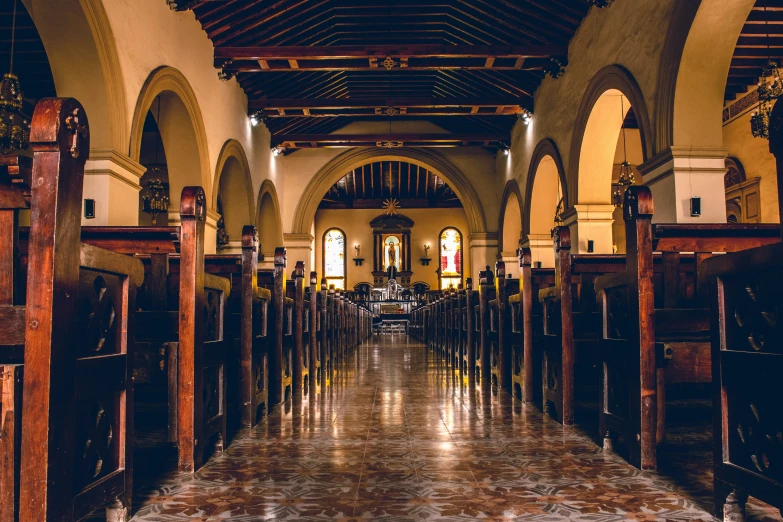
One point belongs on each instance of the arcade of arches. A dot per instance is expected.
(406, 153)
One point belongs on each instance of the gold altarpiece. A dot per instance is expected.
(391, 245)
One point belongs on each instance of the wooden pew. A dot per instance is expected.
(502, 320)
(533, 280)
(67, 338)
(316, 349)
(301, 331)
(180, 328)
(486, 336)
(747, 364)
(571, 325)
(635, 332)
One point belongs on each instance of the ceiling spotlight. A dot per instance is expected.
(504, 148)
(525, 117)
(278, 150)
(505, 152)
(254, 120)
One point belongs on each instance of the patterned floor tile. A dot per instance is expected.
(397, 435)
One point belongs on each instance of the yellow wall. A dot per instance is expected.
(754, 155)
(427, 225)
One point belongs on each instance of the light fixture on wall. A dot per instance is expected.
(503, 148)
(278, 150)
(770, 88)
(626, 178)
(14, 127)
(525, 116)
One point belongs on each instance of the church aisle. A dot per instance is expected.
(398, 438)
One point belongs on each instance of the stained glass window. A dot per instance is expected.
(334, 258)
(450, 258)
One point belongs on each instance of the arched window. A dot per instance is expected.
(450, 258)
(334, 258)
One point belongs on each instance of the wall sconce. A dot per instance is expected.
(358, 260)
(425, 261)
(695, 206)
(590, 246)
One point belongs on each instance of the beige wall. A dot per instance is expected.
(755, 157)
(356, 224)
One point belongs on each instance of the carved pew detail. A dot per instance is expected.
(77, 423)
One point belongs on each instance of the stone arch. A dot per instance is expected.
(596, 129)
(547, 162)
(269, 221)
(544, 190)
(233, 160)
(351, 159)
(234, 190)
(182, 131)
(88, 67)
(694, 69)
(510, 219)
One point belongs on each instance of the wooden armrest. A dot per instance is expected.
(96, 258)
(217, 283)
(547, 293)
(610, 281)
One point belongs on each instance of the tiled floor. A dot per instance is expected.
(397, 437)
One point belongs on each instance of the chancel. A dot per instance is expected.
(376, 260)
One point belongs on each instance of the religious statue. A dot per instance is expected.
(392, 255)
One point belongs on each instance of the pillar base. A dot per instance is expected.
(483, 253)
(541, 250)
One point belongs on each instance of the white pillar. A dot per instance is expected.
(483, 253)
(541, 250)
(112, 180)
(298, 248)
(589, 222)
(677, 174)
(512, 263)
(210, 232)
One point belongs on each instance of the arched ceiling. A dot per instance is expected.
(311, 67)
(370, 185)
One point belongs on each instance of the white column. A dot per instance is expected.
(541, 250)
(483, 253)
(677, 174)
(112, 180)
(298, 248)
(512, 263)
(210, 232)
(589, 222)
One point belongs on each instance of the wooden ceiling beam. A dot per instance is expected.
(371, 103)
(234, 60)
(373, 140)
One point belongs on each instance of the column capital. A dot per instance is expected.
(683, 159)
(112, 163)
(592, 212)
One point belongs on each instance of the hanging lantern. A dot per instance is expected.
(155, 198)
(14, 126)
(769, 90)
(625, 180)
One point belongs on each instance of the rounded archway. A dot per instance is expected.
(510, 226)
(88, 67)
(268, 220)
(354, 158)
(181, 128)
(612, 103)
(545, 197)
